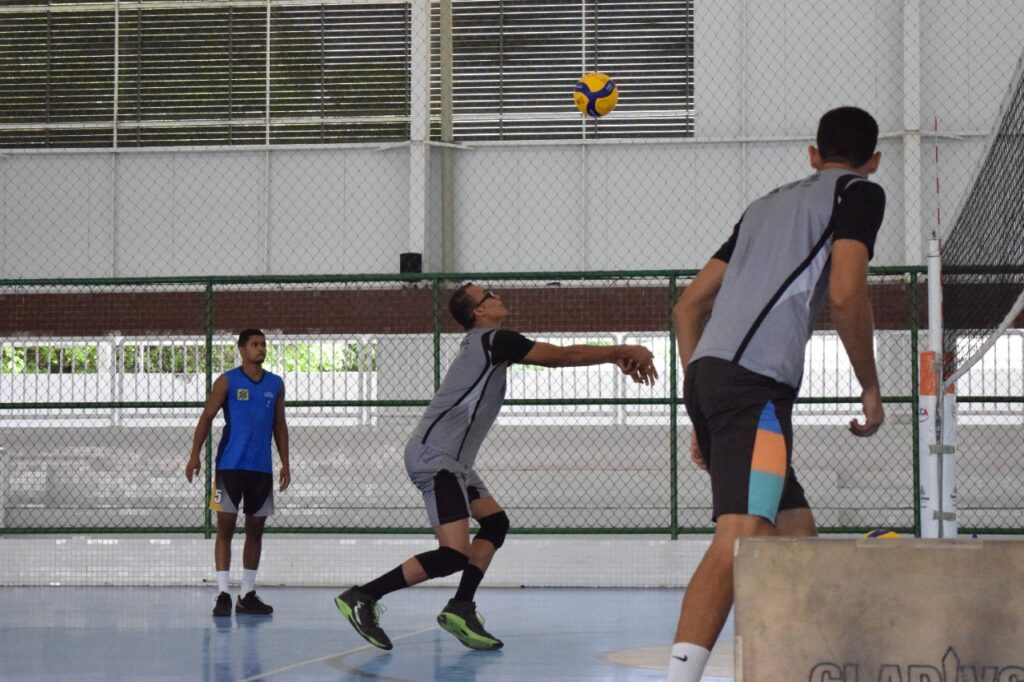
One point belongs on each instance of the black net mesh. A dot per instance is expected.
(983, 256)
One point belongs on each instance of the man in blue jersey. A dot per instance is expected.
(440, 458)
(253, 402)
(743, 325)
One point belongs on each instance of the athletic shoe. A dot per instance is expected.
(252, 604)
(461, 619)
(363, 612)
(222, 606)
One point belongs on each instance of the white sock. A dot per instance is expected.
(222, 581)
(687, 662)
(248, 581)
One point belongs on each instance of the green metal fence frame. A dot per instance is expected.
(911, 274)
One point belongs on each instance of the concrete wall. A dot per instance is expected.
(553, 472)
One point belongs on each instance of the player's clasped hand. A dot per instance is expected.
(637, 362)
(284, 478)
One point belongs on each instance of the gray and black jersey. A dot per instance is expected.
(470, 397)
(778, 270)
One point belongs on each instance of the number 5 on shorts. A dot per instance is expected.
(215, 498)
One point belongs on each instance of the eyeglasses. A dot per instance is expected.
(487, 294)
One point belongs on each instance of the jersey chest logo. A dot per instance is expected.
(242, 394)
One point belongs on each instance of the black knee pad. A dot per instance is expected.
(442, 561)
(494, 528)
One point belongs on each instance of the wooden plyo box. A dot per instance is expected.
(906, 610)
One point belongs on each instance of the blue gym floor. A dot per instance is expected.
(119, 633)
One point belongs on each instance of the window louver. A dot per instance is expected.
(196, 73)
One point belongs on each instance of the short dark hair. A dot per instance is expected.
(246, 334)
(847, 134)
(461, 306)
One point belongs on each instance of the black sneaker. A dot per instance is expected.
(461, 619)
(222, 606)
(363, 612)
(250, 603)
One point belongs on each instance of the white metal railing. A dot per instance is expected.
(999, 372)
(172, 369)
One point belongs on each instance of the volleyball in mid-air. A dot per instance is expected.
(882, 534)
(595, 94)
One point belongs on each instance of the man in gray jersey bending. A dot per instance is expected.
(742, 327)
(441, 453)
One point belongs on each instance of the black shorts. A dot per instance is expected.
(233, 486)
(450, 495)
(449, 487)
(743, 422)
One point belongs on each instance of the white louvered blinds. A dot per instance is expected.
(198, 72)
(516, 62)
(339, 73)
(56, 78)
(191, 76)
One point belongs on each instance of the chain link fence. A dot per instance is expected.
(101, 385)
(147, 138)
(990, 424)
(279, 138)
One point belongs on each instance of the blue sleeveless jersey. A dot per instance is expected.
(248, 422)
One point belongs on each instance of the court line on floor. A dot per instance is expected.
(342, 654)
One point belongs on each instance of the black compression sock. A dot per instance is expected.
(471, 577)
(385, 584)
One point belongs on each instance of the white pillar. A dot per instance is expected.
(264, 207)
(912, 220)
(419, 125)
(106, 373)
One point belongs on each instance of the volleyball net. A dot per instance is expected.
(976, 297)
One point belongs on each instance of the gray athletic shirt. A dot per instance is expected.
(779, 262)
(470, 397)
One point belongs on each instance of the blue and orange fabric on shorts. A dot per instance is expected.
(768, 466)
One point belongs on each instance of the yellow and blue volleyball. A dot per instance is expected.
(596, 94)
(882, 534)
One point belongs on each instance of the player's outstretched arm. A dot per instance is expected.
(636, 361)
(281, 439)
(693, 308)
(213, 404)
(852, 315)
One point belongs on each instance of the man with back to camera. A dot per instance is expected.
(441, 454)
(253, 402)
(742, 327)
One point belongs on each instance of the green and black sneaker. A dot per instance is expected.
(461, 619)
(363, 612)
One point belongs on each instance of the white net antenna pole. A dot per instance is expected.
(937, 433)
